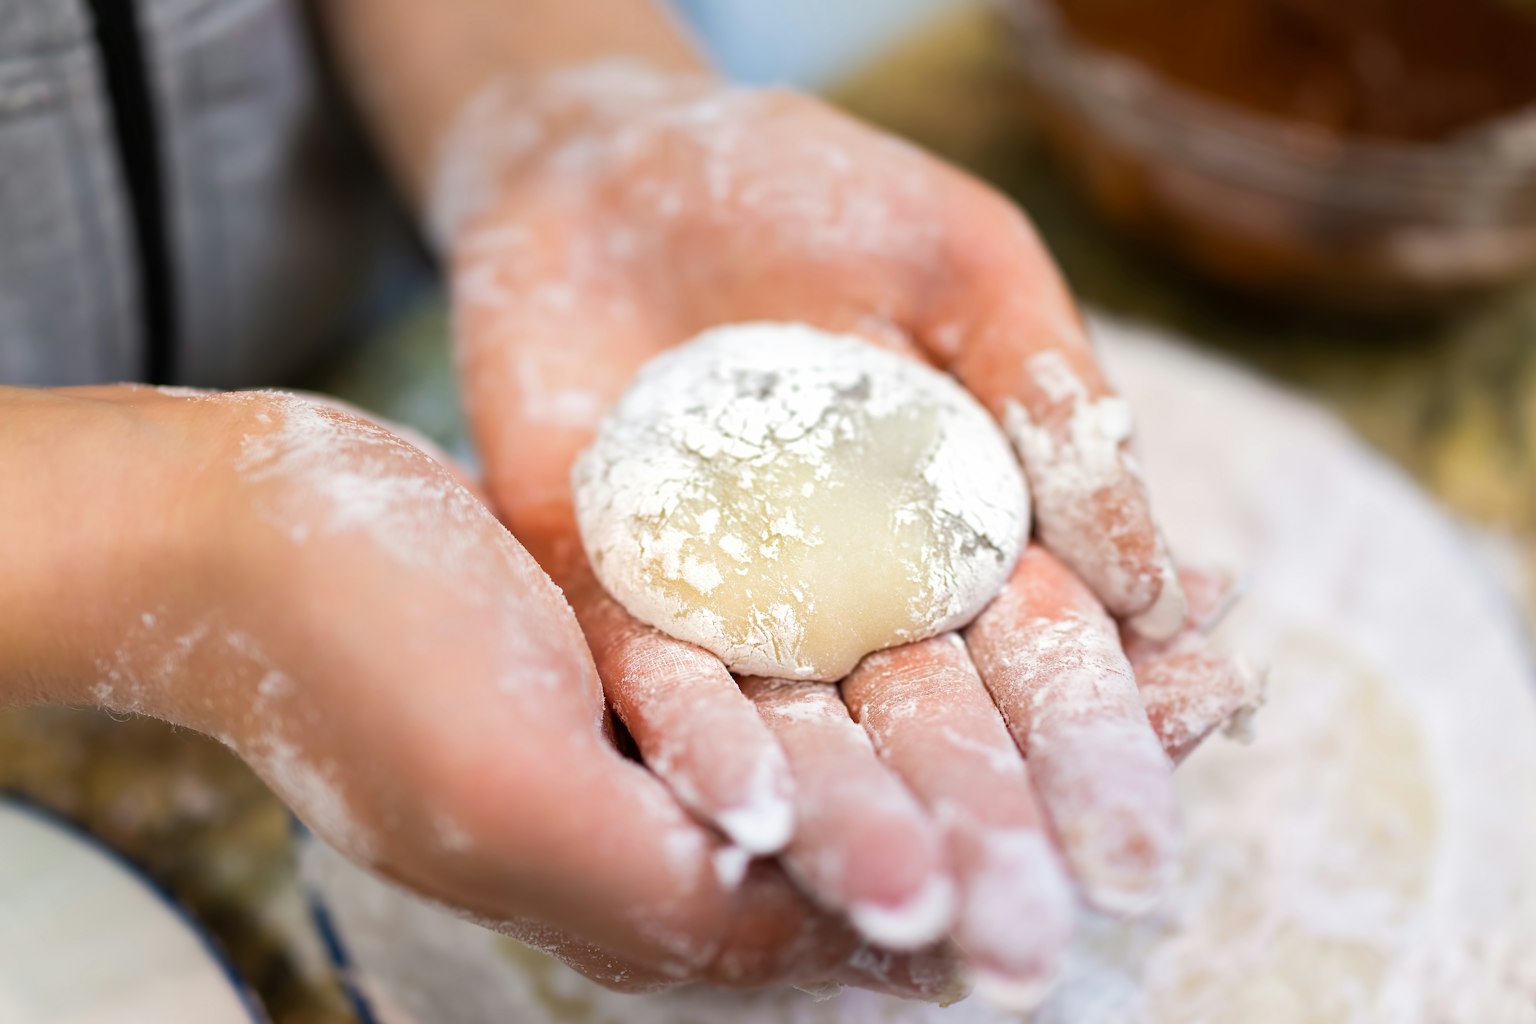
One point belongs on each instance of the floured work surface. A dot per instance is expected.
(1370, 857)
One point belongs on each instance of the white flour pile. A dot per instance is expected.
(793, 500)
(1369, 859)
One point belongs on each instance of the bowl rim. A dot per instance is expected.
(76, 830)
(1145, 109)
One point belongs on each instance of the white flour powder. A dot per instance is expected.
(792, 500)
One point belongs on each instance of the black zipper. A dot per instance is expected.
(135, 125)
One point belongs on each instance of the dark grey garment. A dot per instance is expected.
(277, 224)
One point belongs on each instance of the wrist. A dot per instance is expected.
(412, 67)
(520, 128)
(101, 524)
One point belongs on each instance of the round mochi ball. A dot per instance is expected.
(792, 500)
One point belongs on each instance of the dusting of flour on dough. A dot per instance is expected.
(791, 499)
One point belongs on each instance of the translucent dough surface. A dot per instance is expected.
(793, 500)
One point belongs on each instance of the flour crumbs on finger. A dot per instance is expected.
(1192, 690)
(933, 722)
(1017, 912)
(1051, 658)
(1090, 502)
(765, 823)
(1109, 789)
(863, 845)
(907, 925)
(694, 727)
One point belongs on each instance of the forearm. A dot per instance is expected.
(414, 66)
(93, 514)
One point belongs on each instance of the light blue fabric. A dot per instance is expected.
(806, 43)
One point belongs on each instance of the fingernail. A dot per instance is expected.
(1235, 588)
(915, 922)
(764, 821)
(819, 991)
(1123, 859)
(932, 975)
(762, 827)
(1252, 687)
(1017, 917)
(1109, 789)
(1011, 994)
(1116, 887)
(1168, 611)
(730, 864)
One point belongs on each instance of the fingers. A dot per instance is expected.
(559, 828)
(767, 947)
(1090, 503)
(1210, 595)
(932, 721)
(564, 830)
(1192, 691)
(934, 974)
(862, 844)
(1005, 325)
(643, 896)
(773, 940)
(591, 962)
(1052, 661)
(1188, 688)
(774, 937)
(693, 726)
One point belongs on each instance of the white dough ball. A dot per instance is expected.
(792, 500)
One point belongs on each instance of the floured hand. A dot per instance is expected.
(594, 218)
(340, 609)
(613, 212)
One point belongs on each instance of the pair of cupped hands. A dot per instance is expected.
(402, 671)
